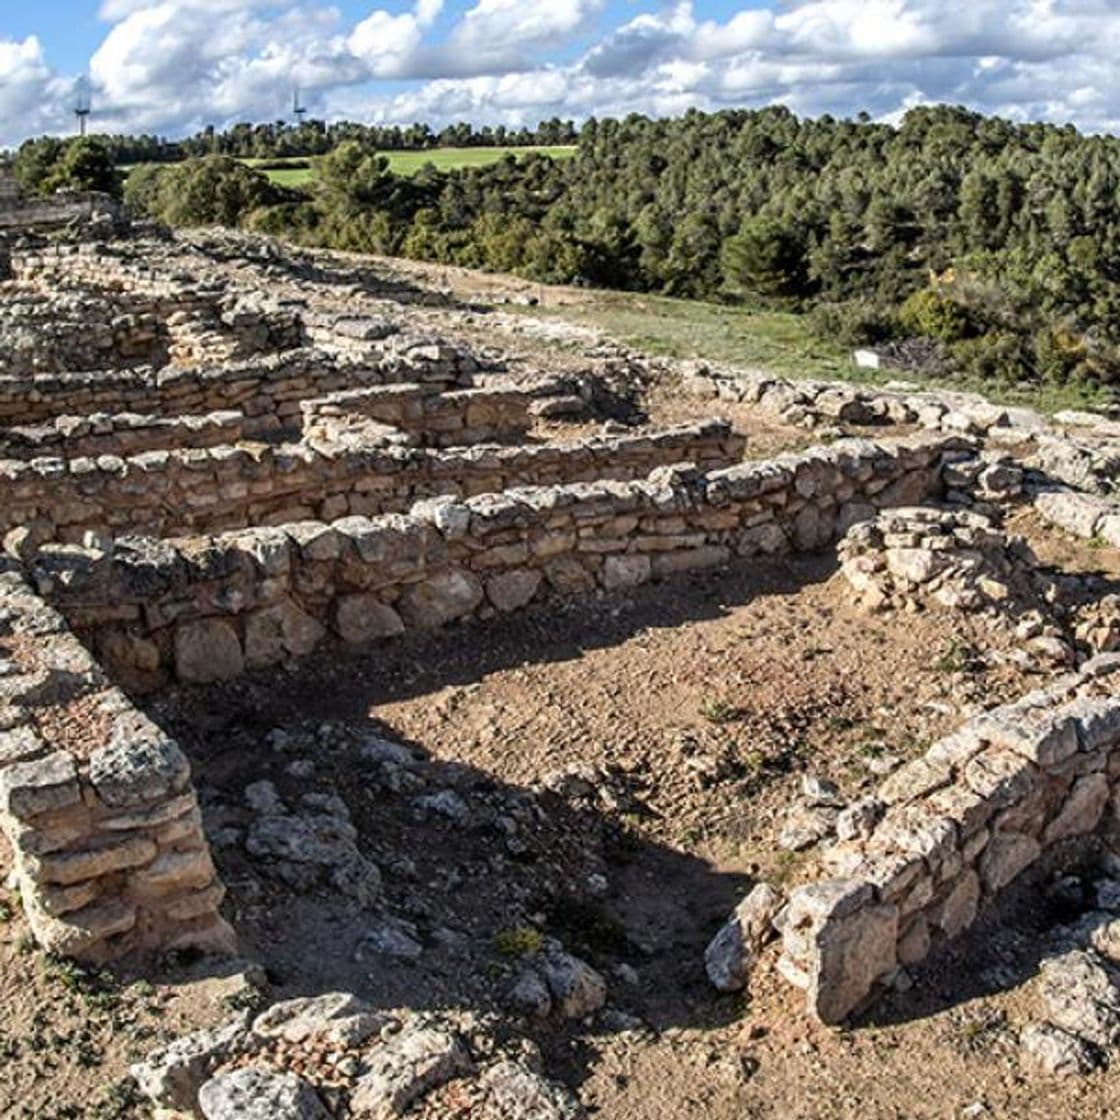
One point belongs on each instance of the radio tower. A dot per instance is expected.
(298, 107)
(83, 103)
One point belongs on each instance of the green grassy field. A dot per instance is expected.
(409, 163)
(780, 342)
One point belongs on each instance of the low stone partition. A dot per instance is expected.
(69, 208)
(75, 331)
(169, 493)
(1084, 515)
(128, 433)
(821, 403)
(95, 801)
(273, 386)
(945, 834)
(455, 419)
(204, 610)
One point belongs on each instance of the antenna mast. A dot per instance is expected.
(298, 108)
(83, 103)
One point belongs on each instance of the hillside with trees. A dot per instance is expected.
(966, 243)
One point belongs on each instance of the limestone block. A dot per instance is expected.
(672, 563)
(81, 933)
(843, 941)
(29, 789)
(441, 599)
(730, 955)
(278, 631)
(958, 911)
(172, 872)
(404, 1068)
(513, 590)
(66, 868)
(207, 651)
(172, 1076)
(140, 764)
(626, 571)
(19, 744)
(1082, 810)
(259, 1093)
(364, 618)
(1006, 856)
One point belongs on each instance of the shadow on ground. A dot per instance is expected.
(470, 864)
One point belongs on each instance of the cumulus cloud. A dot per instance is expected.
(173, 65)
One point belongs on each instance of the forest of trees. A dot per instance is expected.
(281, 140)
(998, 244)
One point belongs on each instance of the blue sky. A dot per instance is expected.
(171, 66)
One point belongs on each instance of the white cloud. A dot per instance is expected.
(173, 65)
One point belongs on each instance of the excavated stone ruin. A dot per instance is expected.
(203, 481)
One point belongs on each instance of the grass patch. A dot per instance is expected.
(778, 341)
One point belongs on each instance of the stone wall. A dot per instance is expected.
(77, 328)
(1026, 781)
(71, 207)
(204, 610)
(168, 493)
(273, 386)
(127, 433)
(95, 801)
(455, 419)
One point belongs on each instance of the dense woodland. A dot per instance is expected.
(281, 140)
(997, 245)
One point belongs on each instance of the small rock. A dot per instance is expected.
(529, 995)
(390, 939)
(263, 798)
(805, 827)
(378, 751)
(820, 793)
(577, 989)
(255, 1093)
(731, 954)
(447, 804)
(1056, 1052)
(1108, 894)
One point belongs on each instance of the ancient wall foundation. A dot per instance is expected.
(95, 801)
(168, 493)
(954, 828)
(206, 610)
(454, 419)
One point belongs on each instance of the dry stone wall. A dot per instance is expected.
(127, 433)
(455, 419)
(89, 208)
(273, 386)
(206, 490)
(204, 610)
(95, 801)
(1030, 780)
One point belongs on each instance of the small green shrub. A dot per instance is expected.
(518, 941)
(932, 315)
